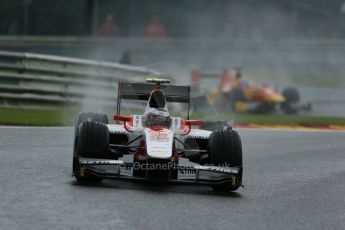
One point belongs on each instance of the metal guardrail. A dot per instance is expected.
(34, 79)
(259, 57)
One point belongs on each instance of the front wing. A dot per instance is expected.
(194, 174)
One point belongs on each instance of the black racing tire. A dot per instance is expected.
(225, 149)
(214, 125)
(291, 96)
(92, 141)
(86, 116)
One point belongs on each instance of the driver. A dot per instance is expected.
(156, 112)
(240, 81)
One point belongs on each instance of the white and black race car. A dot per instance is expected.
(155, 146)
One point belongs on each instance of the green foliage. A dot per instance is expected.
(36, 117)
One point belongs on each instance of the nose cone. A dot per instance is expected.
(272, 96)
(159, 143)
(277, 98)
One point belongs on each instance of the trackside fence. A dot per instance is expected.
(35, 79)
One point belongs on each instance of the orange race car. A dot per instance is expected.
(238, 95)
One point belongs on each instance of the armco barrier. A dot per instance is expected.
(34, 79)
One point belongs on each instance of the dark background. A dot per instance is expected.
(182, 18)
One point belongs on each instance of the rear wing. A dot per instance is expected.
(142, 91)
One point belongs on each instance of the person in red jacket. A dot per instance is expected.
(155, 29)
(108, 27)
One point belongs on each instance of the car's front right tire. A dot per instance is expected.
(87, 116)
(92, 141)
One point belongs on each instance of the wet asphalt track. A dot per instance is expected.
(293, 180)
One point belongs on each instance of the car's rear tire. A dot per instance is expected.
(86, 116)
(214, 125)
(291, 96)
(92, 141)
(225, 149)
(83, 117)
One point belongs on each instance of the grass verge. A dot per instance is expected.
(65, 117)
(37, 117)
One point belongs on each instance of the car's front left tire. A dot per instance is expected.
(225, 149)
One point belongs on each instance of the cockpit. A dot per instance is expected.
(156, 112)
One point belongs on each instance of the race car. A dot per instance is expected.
(155, 146)
(238, 95)
(258, 98)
